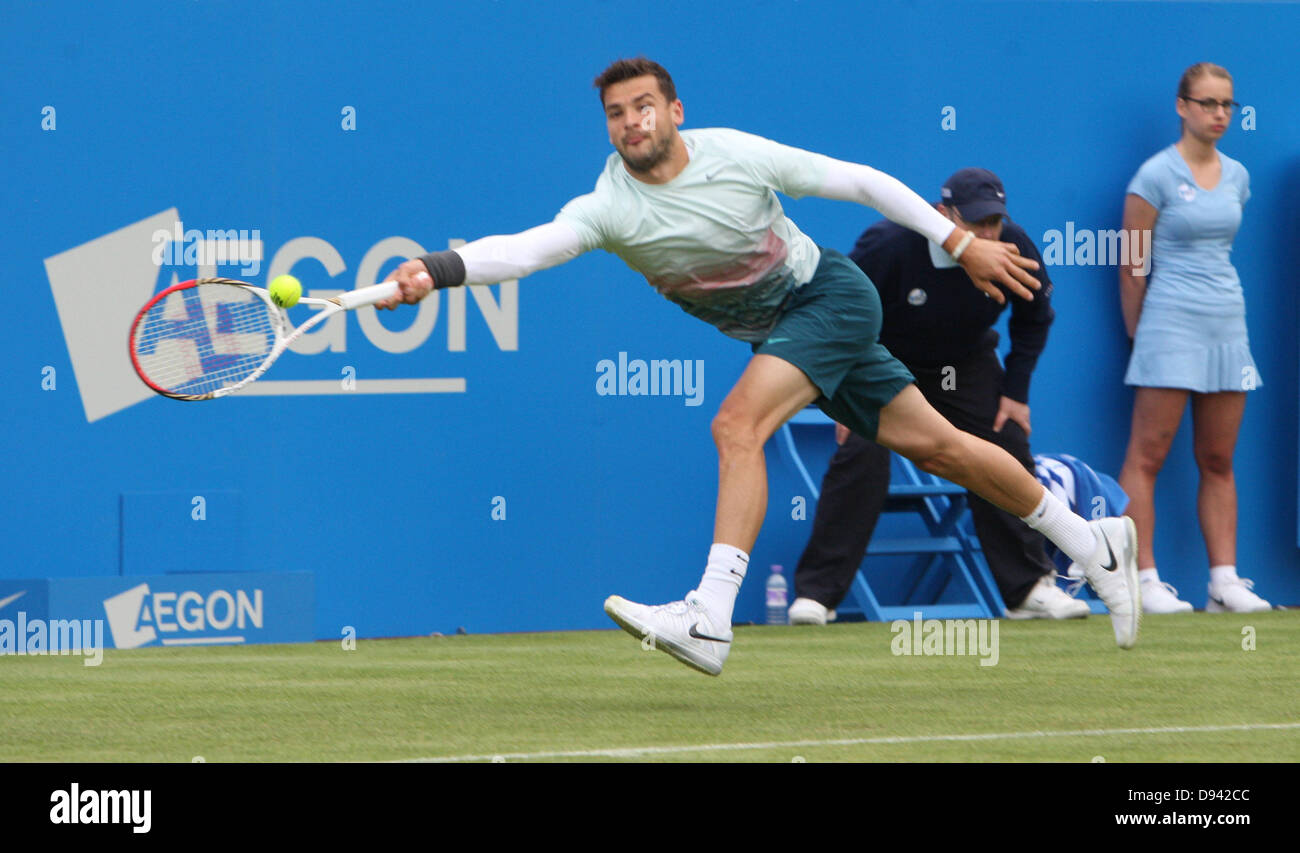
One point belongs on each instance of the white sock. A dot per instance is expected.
(1148, 575)
(721, 582)
(1068, 531)
(1223, 574)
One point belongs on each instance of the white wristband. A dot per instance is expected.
(961, 247)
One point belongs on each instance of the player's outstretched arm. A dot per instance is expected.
(985, 261)
(485, 261)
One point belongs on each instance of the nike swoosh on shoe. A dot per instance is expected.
(697, 635)
(1111, 566)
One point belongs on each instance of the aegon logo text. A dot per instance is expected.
(502, 317)
(99, 285)
(138, 617)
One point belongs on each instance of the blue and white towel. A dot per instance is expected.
(1088, 493)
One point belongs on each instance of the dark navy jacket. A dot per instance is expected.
(936, 317)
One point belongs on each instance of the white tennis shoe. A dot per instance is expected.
(1113, 574)
(683, 629)
(1235, 596)
(808, 611)
(1048, 601)
(1161, 597)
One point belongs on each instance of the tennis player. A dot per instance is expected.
(696, 213)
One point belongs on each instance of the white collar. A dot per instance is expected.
(940, 258)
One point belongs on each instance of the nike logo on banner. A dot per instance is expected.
(697, 635)
(12, 598)
(1110, 567)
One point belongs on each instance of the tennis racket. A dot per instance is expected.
(209, 337)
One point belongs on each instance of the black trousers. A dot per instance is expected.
(856, 484)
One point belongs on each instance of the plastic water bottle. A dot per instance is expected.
(776, 598)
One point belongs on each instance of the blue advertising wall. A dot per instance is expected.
(455, 465)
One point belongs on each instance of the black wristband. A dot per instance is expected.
(447, 268)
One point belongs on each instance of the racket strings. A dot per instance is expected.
(204, 338)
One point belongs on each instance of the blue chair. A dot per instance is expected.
(949, 553)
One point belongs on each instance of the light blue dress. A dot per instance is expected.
(1192, 332)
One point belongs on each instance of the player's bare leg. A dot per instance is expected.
(911, 427)
(768, 393)
(697, 630)
(1106, 549)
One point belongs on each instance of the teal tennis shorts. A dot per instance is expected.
(829, 330)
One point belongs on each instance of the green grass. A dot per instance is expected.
(518, 695)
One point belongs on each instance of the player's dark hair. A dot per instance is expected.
(626, 69)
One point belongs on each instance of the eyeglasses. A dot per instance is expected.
(1210, 105)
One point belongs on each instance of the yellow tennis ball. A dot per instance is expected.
(285, 291)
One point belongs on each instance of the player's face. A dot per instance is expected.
(1206, 124)
(642, 123)
(988, 228)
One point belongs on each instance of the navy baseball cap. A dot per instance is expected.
(976, 193)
